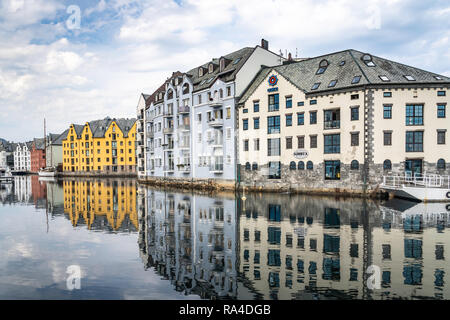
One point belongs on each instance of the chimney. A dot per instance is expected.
(265, 44)
(289, 57)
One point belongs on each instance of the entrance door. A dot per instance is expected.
(413, 167)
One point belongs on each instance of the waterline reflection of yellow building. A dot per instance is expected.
(101, 204)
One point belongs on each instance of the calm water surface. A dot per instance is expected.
(141, 243)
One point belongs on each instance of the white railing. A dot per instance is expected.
(418, 180)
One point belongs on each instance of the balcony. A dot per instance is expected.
(169, 169)
(168, 146)
(216, 103)
(184, 109)
(184, 146)
(333, 124)
(141, 156)
(168, 114)
(141, 169)
(140, 117)
(216, 123)
(184, 127)
(216, 168)
(184, 168)
(168, 130)
(150, 134)
(141, 130)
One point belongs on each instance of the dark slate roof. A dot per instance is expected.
(78, 129)
(228, 74)
(29, 145)
(303, 75)
(39, 143)
(58, 141)
(99, 127)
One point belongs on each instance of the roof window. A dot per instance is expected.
(356, 79)
(410, 78)
(315, 86)
(332, 84)
(323, 65)
(384, 78)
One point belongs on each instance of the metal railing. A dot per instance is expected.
(417, 180)
(333, 124)
(184, 109)
(216, 167)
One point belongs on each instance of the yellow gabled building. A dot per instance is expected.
(101, 147)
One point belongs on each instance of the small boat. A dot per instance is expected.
(47, 172)
(6, 176)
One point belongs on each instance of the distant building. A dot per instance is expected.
(54, 150)
(37, 154)
(7, 155)
(101, 147)
(22, 157)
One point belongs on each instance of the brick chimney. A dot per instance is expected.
(264, 44)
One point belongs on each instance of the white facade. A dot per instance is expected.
(22, 158)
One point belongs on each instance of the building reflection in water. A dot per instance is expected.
(270, 246)
(191, 241)
(306, 248)
(108, 205)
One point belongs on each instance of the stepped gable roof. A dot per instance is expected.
(343, 67)
(233, 63)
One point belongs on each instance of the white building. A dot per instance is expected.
(22, 157)
(190, 120)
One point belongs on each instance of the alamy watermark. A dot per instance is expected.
(73, 281)
(74, 20)
(374, 280)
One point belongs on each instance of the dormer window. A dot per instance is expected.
(211, 68)
(367, 58)
(323, 65)
(222, 64)
(200, 72)
(170, 94)
(356, 79)
(237, 61)
(185, 88)
(437, 78)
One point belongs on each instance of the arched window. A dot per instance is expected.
(441, 164)
(387, 165)
(301, 165)
(211, 68)
(200, 72)
(292, 165)
(323, 65)
(254, 166)
(309, 165)
(354, 165)
(220, 93)
(247, 166)
(170, 94)
(185, 88)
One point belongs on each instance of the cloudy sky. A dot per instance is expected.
(51, 68)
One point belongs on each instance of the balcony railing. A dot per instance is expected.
(150, 134)
(140, 130)
(168, 146)
(184, 168)
(333, 124)
(140, 117)
(168, 113)
(168, 130)
(216, 167)
(169, 168)
(216, 103)
(184, 127)
(184, 109)
(184, 146)
(216, 122)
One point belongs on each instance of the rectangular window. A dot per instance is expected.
(256, 144)
(273, 147)
(312, 102)
(387, 111)
(288, 102)
(245, 124)
(313, 117)
(441, 137)
(354, 113)
(441, 93)
(332, 119)
(301, 142)
(245, 110)
(387, 138)
(441, 110)
(313, 142)
(256, 123)
(414, 115)
(332, 170)
(228, 113)
(332, 143)
(289, 120)
(273, 124)
(354, 97)
(246, 145)
(387, 94)
(288, 143)
(300, 104)
(274, 170)
(300, 118)
(274, 102)
(414, 141)
(354, 139)
(255, 106)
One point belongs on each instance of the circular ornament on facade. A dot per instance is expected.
(273, 80)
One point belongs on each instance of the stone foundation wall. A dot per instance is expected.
(189, 183)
